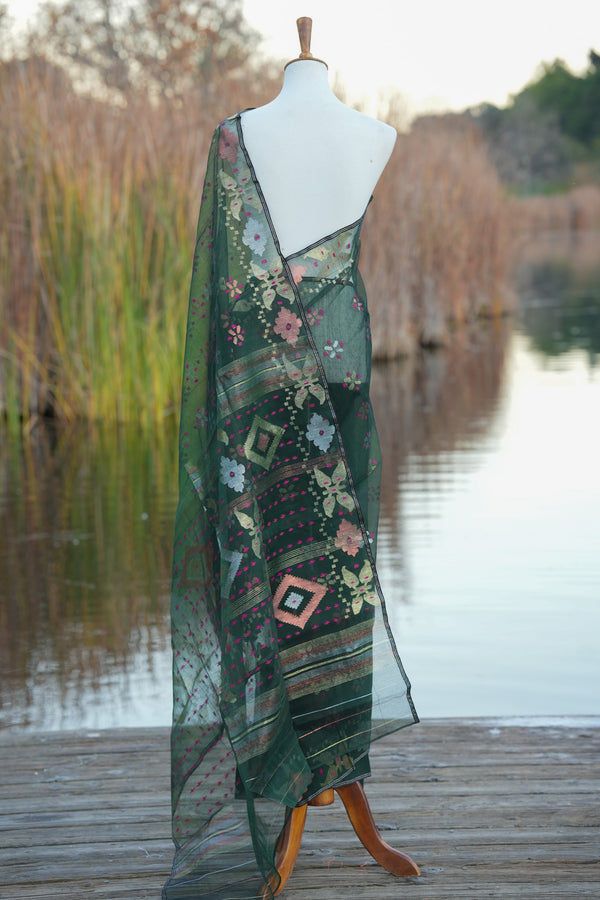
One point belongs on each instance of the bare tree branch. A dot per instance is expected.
(162, 46)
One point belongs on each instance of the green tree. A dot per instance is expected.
(551, 125)
(574, 99)
(525, 144)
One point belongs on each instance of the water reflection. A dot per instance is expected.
(559, 288)
(84, 568)
(489, 534)
(502, 569)
(87, 515)
(429, 405)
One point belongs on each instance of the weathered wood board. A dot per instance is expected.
(486, 809)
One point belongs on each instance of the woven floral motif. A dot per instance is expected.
(284, 667)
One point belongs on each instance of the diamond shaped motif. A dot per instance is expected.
(293, 600)
(262, 442)
(197, 566)
(296, 599)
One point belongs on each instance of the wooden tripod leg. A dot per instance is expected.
(289, 845)
(287, 852)
(357, 806)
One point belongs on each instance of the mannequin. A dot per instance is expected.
(316, 159)
(317, 162)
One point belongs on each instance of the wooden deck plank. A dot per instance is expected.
(486, 810)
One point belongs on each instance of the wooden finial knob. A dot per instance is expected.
(304, 24)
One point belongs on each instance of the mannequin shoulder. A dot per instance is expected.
(368, 137)
(324, 130)
(380, 133)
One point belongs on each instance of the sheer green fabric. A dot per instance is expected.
(284, 665)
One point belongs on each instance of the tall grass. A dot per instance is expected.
(100, 204)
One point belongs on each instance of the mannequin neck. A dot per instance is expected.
(306, 79)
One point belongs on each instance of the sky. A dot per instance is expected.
(439, 54)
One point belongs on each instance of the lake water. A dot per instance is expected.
(490, 533)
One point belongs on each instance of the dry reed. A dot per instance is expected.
(576, 210)
(437, 247)
(100, 204)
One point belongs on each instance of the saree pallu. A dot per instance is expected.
(284, 666)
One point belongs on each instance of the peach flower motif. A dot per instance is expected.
(287, 325)
(348, 538)
(236, 334)
(233, 288)
(297, 272)
(228, 145)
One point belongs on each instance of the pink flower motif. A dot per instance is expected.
(314, 316)
(233, 288)
(348, 538)
(228, 145)
(287, 325)
(236, 334)
(297, 272)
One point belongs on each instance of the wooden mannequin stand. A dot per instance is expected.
(354, 799)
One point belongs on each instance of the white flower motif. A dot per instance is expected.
(255, 235)
(232, 474)
(333, 349)
(320, 432)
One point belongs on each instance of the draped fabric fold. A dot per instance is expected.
(284, 667)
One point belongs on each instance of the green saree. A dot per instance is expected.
(284, 665)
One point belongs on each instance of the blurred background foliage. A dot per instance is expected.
(106, 113)
(548, 137)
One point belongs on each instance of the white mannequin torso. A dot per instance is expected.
(317, 160)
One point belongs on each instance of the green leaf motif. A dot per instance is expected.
(234, 194)
(274, 281)
(335, 489)
(245, 521)
(361, 590)
(305, 379)
(249, 525)
(318, 253)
